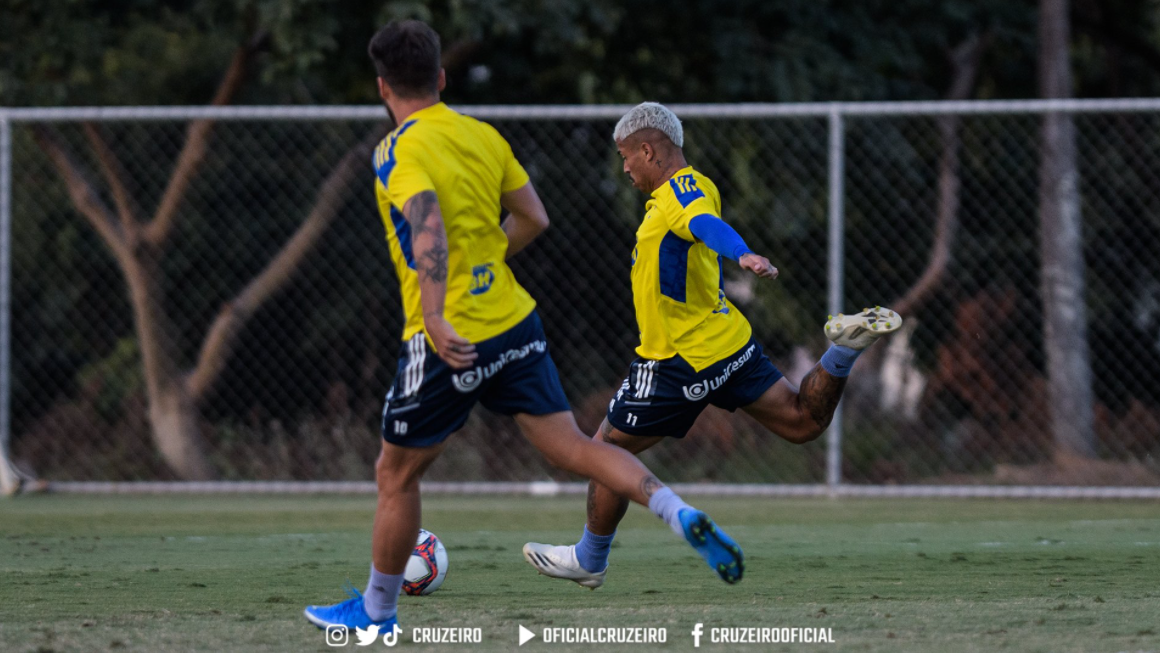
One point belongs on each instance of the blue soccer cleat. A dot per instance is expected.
(350, 613)
(717, 548)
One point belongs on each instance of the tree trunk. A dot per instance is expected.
(1069, 373)
(175, 394)
(177, 432)
(173, 414)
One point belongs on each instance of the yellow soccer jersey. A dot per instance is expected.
(677, 282)
(468, 165)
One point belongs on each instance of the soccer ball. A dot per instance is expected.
(427, 567)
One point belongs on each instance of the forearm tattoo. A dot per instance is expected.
(432, 263)
(819, 395)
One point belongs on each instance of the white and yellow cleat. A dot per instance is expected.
(859, 331)
(560, 562)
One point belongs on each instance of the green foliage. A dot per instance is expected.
(129, 52)
(254, 188)
(114, 378)
(143, 52)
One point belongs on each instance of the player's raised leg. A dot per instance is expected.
(396, 526)
(800, 415)
(565, 446)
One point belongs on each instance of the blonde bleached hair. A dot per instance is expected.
(650, 115)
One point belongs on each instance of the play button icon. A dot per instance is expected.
(525, 635)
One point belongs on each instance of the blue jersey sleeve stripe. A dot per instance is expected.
(403, 234)
(383, 169)
(385, 161)
(685, 188)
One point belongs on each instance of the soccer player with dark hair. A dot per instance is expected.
(472, 334)
(696, 348)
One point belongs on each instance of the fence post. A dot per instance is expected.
(9, 479)
(836, 275)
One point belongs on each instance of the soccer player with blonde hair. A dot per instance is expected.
(696, 348)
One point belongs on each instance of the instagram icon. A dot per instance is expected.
(337, 635)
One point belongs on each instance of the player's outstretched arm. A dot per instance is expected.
(758, 265)
(723, 239)
(429, 245)
(528, 217)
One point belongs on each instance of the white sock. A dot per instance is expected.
(668, 506)
(381, 599)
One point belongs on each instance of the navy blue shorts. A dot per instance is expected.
(665, 397)
(429, 400)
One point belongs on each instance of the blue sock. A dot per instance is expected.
(381, 599)
(592, 550)
(668, 506)
(839, 360)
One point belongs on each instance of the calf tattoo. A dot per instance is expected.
(650, 485)
(820, 393)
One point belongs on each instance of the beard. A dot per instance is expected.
(391, 114)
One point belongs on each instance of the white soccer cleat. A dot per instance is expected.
(560, 562)
(861, 330)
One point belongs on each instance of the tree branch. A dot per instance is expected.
(114, 174)
(196, 144)
(233, 316)
(966, 59)
(82, 193)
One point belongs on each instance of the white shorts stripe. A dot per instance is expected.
(420, 369)
(413, 372)
(411, 356)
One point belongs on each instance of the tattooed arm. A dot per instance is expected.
(429, 246)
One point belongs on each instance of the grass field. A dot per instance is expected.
(232, 573)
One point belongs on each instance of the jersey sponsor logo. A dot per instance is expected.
(471, 379)
(482, 276)
(685, 188)
(699, 390)
(722, 307)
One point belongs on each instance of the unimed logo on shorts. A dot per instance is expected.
(470, 380)
(698, 390)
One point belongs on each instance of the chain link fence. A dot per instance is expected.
(254, 283)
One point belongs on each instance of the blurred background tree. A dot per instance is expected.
(496, 51)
